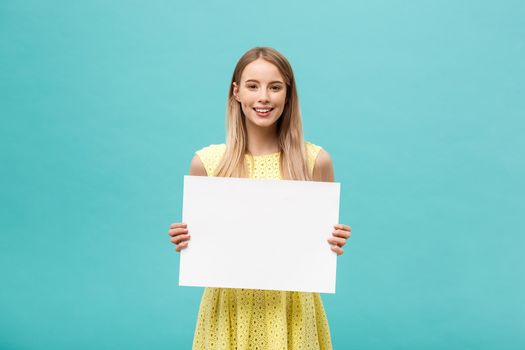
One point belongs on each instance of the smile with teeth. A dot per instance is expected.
(263, 110)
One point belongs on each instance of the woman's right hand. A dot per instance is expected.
(179, 235)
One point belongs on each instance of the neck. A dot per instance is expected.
(262, 140)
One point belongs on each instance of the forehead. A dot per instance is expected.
(262, 71)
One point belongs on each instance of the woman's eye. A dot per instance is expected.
(276, 88)
(251, 86)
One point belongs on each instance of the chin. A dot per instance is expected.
(263, 123)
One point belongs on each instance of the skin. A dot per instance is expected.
(262, 85)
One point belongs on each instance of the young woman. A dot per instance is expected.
(264, 140)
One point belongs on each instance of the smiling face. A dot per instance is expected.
(261, 93)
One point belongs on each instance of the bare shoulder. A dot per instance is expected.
(323, 168)
(197, 167)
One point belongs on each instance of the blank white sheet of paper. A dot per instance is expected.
(259, 234)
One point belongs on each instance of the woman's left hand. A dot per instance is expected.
(340, 234)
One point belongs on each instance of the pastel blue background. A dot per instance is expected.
(420, 104)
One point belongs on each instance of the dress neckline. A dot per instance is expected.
(263, 155)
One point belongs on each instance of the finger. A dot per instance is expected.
(181, 246)
(179, 238)
(337, 250)
(343, 227)
(342, 233)
(177, 231)
(179, 224)
(337, 241)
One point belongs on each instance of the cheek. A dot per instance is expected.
(282, 99)
(246, 108)
(246, 101)
(282, 104)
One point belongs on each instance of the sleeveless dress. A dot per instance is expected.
(231, 318)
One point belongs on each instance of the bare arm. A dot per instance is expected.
(324, 171)
(197, 167)
(179, 231)
(323, 168)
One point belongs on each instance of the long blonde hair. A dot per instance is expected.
(293, 164)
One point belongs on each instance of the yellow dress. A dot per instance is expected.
(259, 319)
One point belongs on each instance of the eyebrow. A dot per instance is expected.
(271, 82)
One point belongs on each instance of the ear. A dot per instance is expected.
(236, 91)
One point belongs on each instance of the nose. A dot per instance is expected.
(263, 95)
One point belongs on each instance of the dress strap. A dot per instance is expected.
(211, 156)
(312, 151)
